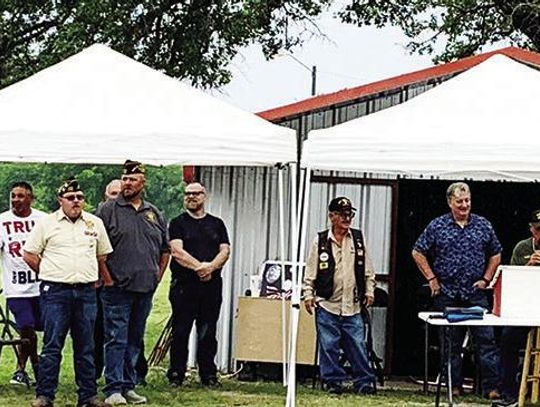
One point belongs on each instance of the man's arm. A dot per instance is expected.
(310, 275)
(207, 268)
(104, 271)
(33, 260)
(163, 263)
(182, 256)
(491, 267)
(370, 282)
(424, 267)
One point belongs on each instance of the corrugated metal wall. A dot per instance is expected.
(247, 200)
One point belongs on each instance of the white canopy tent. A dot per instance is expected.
(481, 124)
(100, 106)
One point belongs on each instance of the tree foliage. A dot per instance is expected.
(164, 186)
(193, 39)
(461, 27)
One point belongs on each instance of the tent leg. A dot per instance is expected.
(297, 290)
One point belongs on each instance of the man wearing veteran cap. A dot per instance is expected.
(138, 234)
(458, 254)
(67, 249)
(339, 280)
(526, 253)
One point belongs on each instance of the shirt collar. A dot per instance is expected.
(333, 238)
(470, 221)
(122, 202)
(61, 215)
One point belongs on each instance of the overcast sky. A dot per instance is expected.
(350, 57)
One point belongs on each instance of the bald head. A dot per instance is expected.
(113, 188)
(194, 198)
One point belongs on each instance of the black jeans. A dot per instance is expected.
(513, 338)
(200, 302)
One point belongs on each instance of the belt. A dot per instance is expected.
(71, 285)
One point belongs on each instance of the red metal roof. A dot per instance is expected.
(345, 95)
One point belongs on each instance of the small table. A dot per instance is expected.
(435, 318)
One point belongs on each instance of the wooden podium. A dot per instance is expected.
(259, 336)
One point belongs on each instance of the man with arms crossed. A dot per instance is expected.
(200, 247)
(21, 286)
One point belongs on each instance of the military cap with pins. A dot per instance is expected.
(69, 185)
(133, 167)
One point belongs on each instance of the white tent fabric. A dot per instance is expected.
(100, 106)
(481, 124)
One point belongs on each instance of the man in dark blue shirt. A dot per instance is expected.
(458, 253)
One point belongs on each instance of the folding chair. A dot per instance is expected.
(7, 335)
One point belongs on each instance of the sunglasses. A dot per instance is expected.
(348, 215)
(71, 198)
(194, 193)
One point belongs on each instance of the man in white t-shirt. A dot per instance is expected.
(21, 286)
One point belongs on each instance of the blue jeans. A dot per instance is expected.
(343, 332)
(487, 351)
(67, 308)
(124, 322)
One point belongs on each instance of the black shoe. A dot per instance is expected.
(210, 382)
(175, 379)
(367, 391)
(93, 402)
(505, 403)
(334, 388)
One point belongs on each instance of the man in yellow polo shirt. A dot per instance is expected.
(66, 249)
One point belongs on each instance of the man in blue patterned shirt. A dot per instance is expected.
(458, 254)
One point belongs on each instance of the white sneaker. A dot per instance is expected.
(116, 399)
(134, 398)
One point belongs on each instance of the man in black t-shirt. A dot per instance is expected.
(200, 247)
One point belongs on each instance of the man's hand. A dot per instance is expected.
(208, 277)
(368, 300)
(310, 304)
(534, 259)
(204, 271)
(435, 287)
(481, 284)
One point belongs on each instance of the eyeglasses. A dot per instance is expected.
(71, 198)
(193, 193)
(348, 215)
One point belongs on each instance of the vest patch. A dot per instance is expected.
(324, 283)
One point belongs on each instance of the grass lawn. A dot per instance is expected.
(232, 393)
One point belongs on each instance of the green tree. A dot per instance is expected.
(193, 39)
(164, 186)
(460, 27)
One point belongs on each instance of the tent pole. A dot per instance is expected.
(298, 225)
(293, 238)
(297, 292)
(282, 261)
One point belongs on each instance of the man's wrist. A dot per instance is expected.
(485, 280)
(432, 278)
